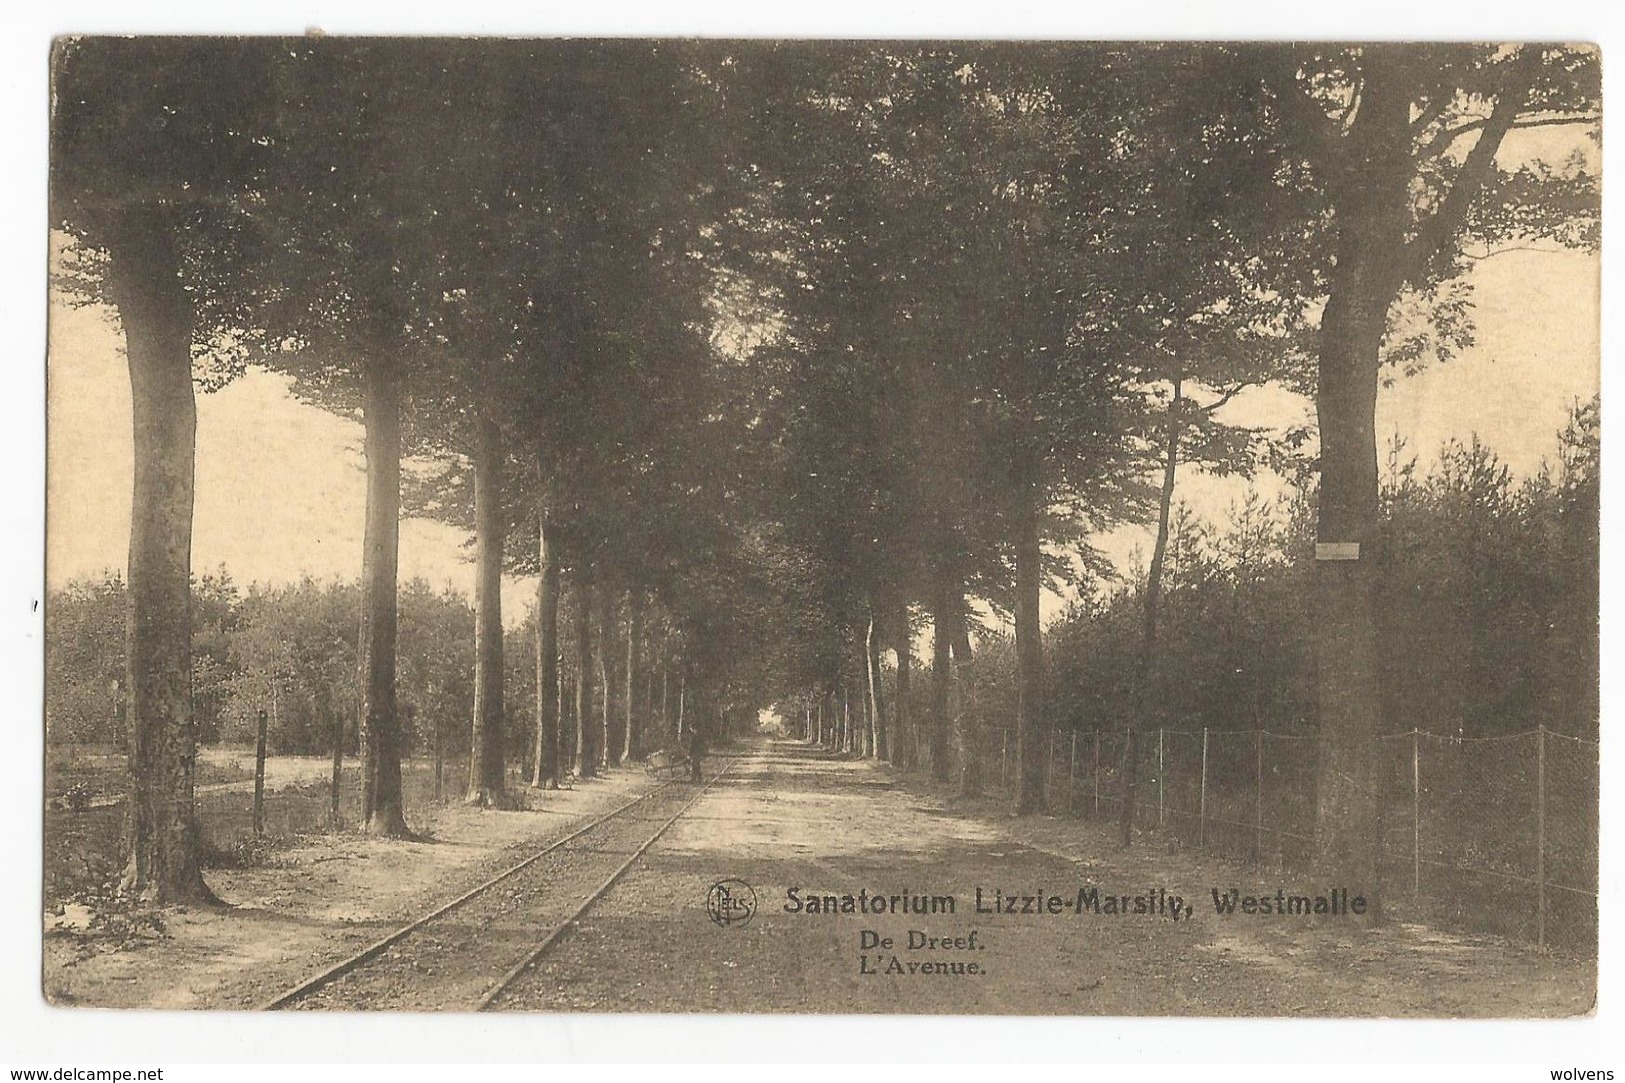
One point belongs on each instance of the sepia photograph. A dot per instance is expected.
(822, 527)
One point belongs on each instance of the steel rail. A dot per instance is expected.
(506, 981)
(377, 947)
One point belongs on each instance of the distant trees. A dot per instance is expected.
(1488, 614)
(1492, 585)
(84, 662)
(966, 291)
(292, 656)
(289, 650)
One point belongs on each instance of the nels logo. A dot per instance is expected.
(730, 903)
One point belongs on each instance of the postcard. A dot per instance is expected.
(766, 526)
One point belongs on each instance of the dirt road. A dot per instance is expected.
(794, 824)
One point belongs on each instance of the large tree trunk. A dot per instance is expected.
(967, 735)
(682, 700)
(486, 761)
(609, 737)
(586, 750)
(862, 721)
(567, 718)
(941, 673)
(665, 702)
(1346, 634)
(1029, 651)
(846, 721)
(1370, 181)
(1363, 286)
(1145, 668)
(961, 634)
(904, 738)
(161, 837)
(877, 694)
(1347, 807)
(633, 749)
(381, 809)
(545, 770)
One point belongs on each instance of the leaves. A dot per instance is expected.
(765, 324)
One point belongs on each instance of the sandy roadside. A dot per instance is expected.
(312, 904)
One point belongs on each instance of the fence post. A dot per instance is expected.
(1161, 773)
(1049, 776)
(1540, 830)
(1097, 774)
(1416, 811)
(439, 760)
(259, 778)
(1072, 776)
(1201, 809)
(1258, 795)
(338, 767)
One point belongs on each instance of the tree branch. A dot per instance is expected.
(1229, 394)
(1441, 142)
(1493, 252)
(1435, 231)
(1432, 113)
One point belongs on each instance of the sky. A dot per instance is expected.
(281, 485)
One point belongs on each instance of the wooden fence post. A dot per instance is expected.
(1540, 830)
(1160, 774)
(1416, 811)
(259, 778)
(338, 768)
(439, 760)
(1258, 796)
(1049, 776)
(1201, 808)
(1097, 774)
(1072, 776)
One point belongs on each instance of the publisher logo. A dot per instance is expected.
(731, 903)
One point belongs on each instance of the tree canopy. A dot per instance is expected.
(768, 348)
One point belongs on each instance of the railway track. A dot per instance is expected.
(466, 954)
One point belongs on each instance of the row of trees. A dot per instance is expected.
(1066, 266)
(466, 243)
(788, 343)
(1489, 624)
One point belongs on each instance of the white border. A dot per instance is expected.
(30, 1032)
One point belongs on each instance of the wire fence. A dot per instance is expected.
(1495, 834)
(85, 847)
